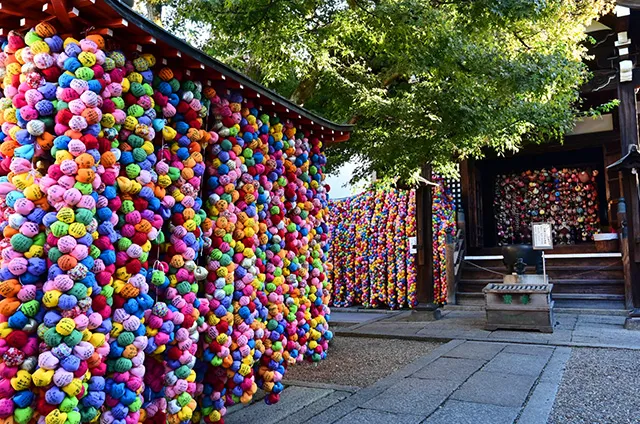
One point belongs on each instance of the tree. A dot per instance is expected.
(425, 81)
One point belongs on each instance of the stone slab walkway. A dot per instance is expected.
(571, 329)
(460, 381)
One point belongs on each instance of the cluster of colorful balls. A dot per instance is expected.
(24, 205)
(186, 141)
(371, 261)
(108, 310)
(567, 198)
(345, 287)
(412, 272)
(443, 221)
(266, 286)
(73, 366)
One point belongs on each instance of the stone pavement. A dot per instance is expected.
(571, 329)
(460, 381)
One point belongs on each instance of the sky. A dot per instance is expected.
(339, 182)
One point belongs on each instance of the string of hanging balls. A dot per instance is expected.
(153, 269)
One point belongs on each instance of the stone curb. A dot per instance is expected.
(350, 333)
(357, 325)
(315, 385)
(540, 402)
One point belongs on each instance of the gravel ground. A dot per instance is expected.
(599, 386)
(360, 362)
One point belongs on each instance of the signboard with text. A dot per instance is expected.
(542, 236)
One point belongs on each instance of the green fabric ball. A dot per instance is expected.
(139, 154)
(94, 252)
(183, 287)
(135, 110)
(135, 141)
(59, 229)
(135, 405)
(184, 398)
(74, 338)
(52, 338)
(78, 290)
(118, 102)
(160, 239)
(122, 365)
(175, 85)
(31, 37)
(21, 243)
(109, 64)
(30, 308)
(125, 338)
(84, 73)
(84, 216)
(226, 145)
(68, 404)
(23, 415)
(107, 291)
(140, 64)
(74, 417)
(118, 58)
(54, 254)
(137, 89)
(127, 207)
(85, 188)
(88, 414)
(132, 170)
(124, 243)
(183, 372)
(61, 105)
(174, 173)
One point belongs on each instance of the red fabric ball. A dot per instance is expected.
(17, 339)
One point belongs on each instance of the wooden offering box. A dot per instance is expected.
(519, 306)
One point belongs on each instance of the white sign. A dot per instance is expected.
(542, 236)
(413, 245)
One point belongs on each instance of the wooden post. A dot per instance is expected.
(628, 116)
(623, 233)
(424, 229)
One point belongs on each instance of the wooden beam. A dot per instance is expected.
(61, 11)
(143, 40)
(108, 32)
(115, 23)
(8, 10)
(85, 3)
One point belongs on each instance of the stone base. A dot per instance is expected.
(632, 323)
(519, 319)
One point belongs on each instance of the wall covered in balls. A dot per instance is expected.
(164, 238)
(443, 219)
(565, 197)
(369, 254)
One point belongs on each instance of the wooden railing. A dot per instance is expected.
(455, 252)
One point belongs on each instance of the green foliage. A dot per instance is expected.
(425, 81)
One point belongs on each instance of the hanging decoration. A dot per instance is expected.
(163, 250)
(567, 198)
(370, 254)
(443, 222)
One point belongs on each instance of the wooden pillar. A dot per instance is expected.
(424, 229)
(467, 187)
(628, 122)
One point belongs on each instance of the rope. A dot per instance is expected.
(597, 269)
(575, 275)
(485, 269)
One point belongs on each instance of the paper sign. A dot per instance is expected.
(542, 236)
(413, 245)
